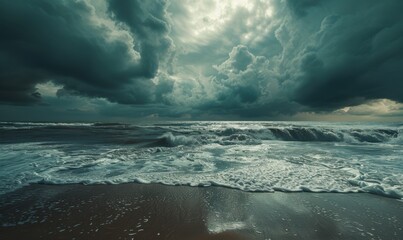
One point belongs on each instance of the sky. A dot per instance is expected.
(129, 60)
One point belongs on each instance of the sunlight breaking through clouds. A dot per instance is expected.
(231, 59)
(206, 20)
(374, 108)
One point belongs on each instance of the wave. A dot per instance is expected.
(34, 125)
(311, 134)
(102, 124)
(170, 140)
(243, 139)
(330, 135)
(188, 134)
(356, 186)
(247, 156)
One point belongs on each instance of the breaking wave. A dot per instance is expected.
(180, 134)
(331, 135)
(300, 134)
(250, 156)
(170, 140)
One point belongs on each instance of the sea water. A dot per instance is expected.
(250, 156)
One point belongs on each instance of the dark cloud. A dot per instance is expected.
(147, 21)
(354, 57)
(245, 85)
(334, 54)
(81, 49)
(259, 60)
(240, 58)
(236, 80)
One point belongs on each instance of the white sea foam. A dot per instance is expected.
(172, 140)
(259, 156)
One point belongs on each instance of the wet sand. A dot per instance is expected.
(152, 211)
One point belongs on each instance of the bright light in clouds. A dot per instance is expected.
(210, 17)
(48, 89)
(222, 10)
(374, 107)
(269, 12)
(208, 59)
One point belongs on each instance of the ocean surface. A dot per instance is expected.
(250, 156)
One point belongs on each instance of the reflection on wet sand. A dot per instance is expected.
(140, 211)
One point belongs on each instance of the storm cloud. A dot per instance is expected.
(353, 57)
(328, 60)
(235, 59)
(109, 54)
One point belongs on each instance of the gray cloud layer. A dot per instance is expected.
(305, 55)
(87, 52)
(354, 56)
(328, 60)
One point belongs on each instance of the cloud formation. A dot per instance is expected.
(327, 60)
(352, 57)
(85, 50)
(197, 58)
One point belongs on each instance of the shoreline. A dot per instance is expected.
(155, 211)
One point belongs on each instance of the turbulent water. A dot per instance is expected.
(251, 156)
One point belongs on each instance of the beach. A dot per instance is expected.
(201, 180)
(155, 211)
(201, 120)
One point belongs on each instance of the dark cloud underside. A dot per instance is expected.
(174, 58)
(355, 57)
(68, 43)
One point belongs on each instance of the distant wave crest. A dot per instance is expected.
(311, 134)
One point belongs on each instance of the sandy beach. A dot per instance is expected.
(152, 211)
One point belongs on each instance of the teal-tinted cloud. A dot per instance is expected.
(199, 58)
(86, 51)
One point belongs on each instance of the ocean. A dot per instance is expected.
(249, 156)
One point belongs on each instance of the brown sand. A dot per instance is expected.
(141, 211)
